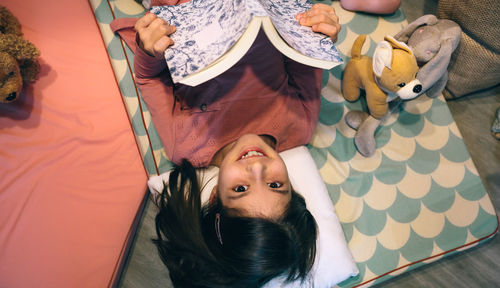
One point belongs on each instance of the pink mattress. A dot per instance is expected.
(71, 177)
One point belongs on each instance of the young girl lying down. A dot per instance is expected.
(255, 227)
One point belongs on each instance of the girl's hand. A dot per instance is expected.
(153, 35)
(321, 18)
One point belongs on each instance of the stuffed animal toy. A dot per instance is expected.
(432, 41)
(18, 58)
(388, 76)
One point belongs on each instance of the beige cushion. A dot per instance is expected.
(475, 64)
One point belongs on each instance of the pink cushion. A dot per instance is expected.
(71, 177)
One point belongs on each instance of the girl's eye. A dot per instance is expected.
(275, 185)
(240, 188)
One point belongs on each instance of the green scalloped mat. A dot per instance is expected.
(418, 199)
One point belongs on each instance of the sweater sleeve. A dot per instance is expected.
(152, 79)
(146, 66)
(155, 85)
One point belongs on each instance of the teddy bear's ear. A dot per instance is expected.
(398, 44)
(382, 57)
(18, 47)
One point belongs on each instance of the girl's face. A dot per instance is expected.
(253, 179)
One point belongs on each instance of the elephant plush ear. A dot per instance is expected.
(406, 33)
(382, 57)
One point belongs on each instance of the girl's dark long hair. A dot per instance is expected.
(253, 250)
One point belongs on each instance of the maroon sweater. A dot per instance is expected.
(264, 93)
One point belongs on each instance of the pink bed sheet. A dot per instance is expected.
(71, 177)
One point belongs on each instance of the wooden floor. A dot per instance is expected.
(477, 267)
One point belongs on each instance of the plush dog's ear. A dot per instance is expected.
(398, 44)
(382, 57)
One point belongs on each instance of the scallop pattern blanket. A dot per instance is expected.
(418, 199)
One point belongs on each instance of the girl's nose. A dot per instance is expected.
(257, 168)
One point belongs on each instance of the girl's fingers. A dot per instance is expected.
(161, 45)
(316, 19)
(321, 18)
(161, 26)
(144, 21)
(318, 15)
(320, 9)
(153, 34)
(329, 30)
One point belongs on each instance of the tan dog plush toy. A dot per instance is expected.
(18, 58)
(389, 75)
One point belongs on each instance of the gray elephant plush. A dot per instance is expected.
(433, 41)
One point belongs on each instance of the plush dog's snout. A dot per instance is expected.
(417, 88)
(12, 96)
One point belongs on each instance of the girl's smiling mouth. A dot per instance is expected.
(252, 153)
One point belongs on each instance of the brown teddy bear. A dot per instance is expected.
(18, 58)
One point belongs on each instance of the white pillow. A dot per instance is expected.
(334, 262)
